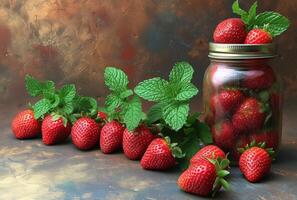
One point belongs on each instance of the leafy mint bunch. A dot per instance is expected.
(63, 102)
(272, 22)
(121, 104)
(172, 96)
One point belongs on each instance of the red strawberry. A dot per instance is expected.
(53, 131)
(135, 143)
(255, 163)
(25, 126)
(204, 177)
(271, 138)
(224, 134)
(248, 116)
(85, 133)
(230, 31)
(209, 151)
(222, 75)
(102, 115)
(259, 77)
(158, 156)
(225, 101)
(111, 137)
(258, 36)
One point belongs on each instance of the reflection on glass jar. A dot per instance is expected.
(242, 97)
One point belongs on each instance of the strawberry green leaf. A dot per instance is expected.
(186, 92)
(115, 79)
(132, 113)
(67, 92)
(175, 114)
(192, 119)
(182, 72)
(252, 13)
(152, 89)
(225, 163)
(41, 107)
(33, 86)
(223, 173)
(273, 22)
(237, 10)
(154, 113)
(177, 152)
(224, 183)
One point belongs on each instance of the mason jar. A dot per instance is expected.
(242, 96)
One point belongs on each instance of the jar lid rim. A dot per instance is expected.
(241, 51)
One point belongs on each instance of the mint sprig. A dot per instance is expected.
(172, 96)
(272, 22)
(121, 104)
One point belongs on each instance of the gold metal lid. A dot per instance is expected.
(241, 51)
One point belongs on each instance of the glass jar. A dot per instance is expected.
(242, 96)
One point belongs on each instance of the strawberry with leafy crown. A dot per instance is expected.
(259, 77)
(160, 155)
(255, 161)
(85, 133)
(224, 134)
(54, 131)
(136, 142)
(262, 27)
(230, 31)
(258, 36)
(226, 101)
(248, 116)
(241, 141)
(205, 177)
(25, 126)
(209, 151)
(111, 137)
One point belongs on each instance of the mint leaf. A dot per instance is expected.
(33, 86)
(112, 102)
(154, 113)
(204, 133)
(41, 107)
(67, 92)
(237, 10)
(273, 22)
(152, 89)
(115, 79)
(187, 91)
(126, 94)
(132, 113)
(182, 72)
(68, 108)
(48, 86)
(175, 114)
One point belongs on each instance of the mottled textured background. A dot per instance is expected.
(72, 41)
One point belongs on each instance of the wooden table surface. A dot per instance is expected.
(31, 170)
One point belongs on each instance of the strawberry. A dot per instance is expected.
(85, 133)
(255, 163)
(259, 77)
(221, 75)
(53, 131)
(102, 115)
(158, 156)
(258, 36)
(25, 126)
(111, 137)
(205, 177)
(209, 151)
(230, 31)
(248, 116)
(136, 142)
(224, 134)
(270, 138)
(225, 101)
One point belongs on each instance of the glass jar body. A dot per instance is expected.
(243, 102)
